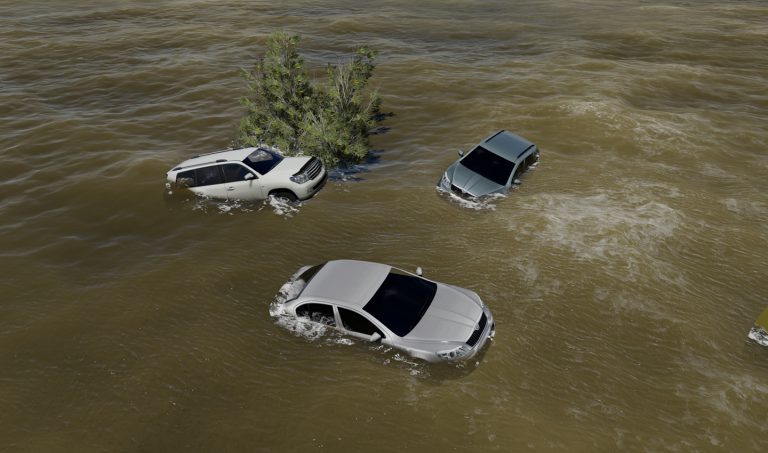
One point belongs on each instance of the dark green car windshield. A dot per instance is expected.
(489, 165)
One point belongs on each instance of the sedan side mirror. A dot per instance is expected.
(461, 153)
(249, 176)
(375, 336)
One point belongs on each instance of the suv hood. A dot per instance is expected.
(288, 167)
(472, 183)
(452, 316)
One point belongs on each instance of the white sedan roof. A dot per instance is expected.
(348, 282)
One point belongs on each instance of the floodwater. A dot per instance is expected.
(624, 272)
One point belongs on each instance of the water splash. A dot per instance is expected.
(206, 205)
(485, 203)
(282, 207)
(758, 335)
(304, 328)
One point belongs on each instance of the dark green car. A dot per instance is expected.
(492, 166)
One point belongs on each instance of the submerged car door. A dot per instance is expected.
(209, 181)
(242, 183)
(358, 325)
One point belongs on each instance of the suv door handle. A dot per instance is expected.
(230, 188)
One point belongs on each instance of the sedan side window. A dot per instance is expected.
(321, 313)
(208, 176)
(357, 322)
(235, 172)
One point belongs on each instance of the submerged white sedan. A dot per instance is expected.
(379, 303)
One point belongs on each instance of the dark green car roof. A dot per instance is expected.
(507, 145)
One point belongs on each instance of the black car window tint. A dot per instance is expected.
(401, 301)
(208, 176)
(488, 165)
(357, 323)
(235, 172)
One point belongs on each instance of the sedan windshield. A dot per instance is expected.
(263, 160)
(302, 281)
(489, 165)
(401, 301)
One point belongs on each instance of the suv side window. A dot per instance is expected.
(208, 176)
(234, 172)
(357, 323)
(321, 313)
(186, 179)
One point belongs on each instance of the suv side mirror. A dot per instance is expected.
(249, 176)
(461, 153)
(375, 336)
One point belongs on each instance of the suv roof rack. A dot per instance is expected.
(214, 152)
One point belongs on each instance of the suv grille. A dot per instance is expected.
(457, 191)
(478, 331)
(313, 168)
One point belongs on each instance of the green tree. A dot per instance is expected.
(279, 95)
(331, 121)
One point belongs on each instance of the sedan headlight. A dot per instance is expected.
(456, 353)
(301, 178)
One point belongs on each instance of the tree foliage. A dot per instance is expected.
(331, 121)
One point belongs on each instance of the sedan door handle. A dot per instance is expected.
(230, 188)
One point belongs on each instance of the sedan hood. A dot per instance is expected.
(472, 183)
(452, 316)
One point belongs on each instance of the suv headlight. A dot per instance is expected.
(456, 353)
(301, 178)
(445, 182)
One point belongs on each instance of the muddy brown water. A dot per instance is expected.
(624, 273)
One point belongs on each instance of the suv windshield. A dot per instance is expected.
(401, 301)
(489, 165)
(263, 160)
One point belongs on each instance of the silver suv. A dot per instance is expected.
(491, 167)
(379, 303)
(249, 174)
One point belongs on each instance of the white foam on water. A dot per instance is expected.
(281, 206)
(206, 204)
(654, 132)
(602, 226)
(597, 109)
(734, 394)
(486, 203)
(231, 207)
(746, 208)
(758, 335)
(303, 328)
(624, 234)
(414, 367)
